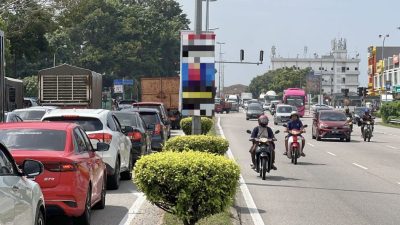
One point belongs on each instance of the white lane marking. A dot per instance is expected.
(389, 146)
(330, 153)
(251, 206)
(362, 167)
(133, 211)
(398, 183)
(311, 145)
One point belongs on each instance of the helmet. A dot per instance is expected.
(294, 113)
(347, 110)
(366, 111)
(263, 120)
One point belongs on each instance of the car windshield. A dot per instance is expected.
(255, 107)
(87, 123)
(33, 139)
(284, 109)
(126, 119)
(333, 116)
(295, 101)
(126, 102)
(359, 111)
(32, 115)
(150, 117)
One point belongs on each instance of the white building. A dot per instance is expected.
(337, 69)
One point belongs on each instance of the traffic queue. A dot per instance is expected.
(68, 158)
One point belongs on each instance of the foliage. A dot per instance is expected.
(278, 80)
(31, 86)
(224, 218)
(202, 143)
(119, 38)
(191, 185)
(390, 109)
(206, 125)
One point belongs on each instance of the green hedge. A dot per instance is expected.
(191, 185)
(206, 125)
(202, 143)
(390, 109)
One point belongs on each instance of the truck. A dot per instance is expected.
(164, 90)
(222, 106)
(234, 100)
(245, 96)
(68, 86)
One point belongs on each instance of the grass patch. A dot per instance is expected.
(389, 125)
(223, 218)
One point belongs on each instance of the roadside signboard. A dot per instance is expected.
(398, 89)
(118, 88)
(123, 82)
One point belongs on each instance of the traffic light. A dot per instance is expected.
(261, 55)
(241, 54)
(360, 91)
(365, 91)
(345, 92)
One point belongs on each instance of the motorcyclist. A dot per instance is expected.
(294, 124)
(348, 114)
(366, 117)
(262, 131)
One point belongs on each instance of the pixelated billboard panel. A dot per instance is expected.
(197, 74)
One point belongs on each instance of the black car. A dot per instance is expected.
(254, 110)
(140, 137)
(152, 118)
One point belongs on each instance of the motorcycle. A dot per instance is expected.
(263, 154)
(367, 134)
(295, 144)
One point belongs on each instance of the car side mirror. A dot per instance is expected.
(284, 125)
(102, 147)
(127, 129)
(305, 126)
(32, 168)
(248, 131)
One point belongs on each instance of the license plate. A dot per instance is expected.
(335, 132)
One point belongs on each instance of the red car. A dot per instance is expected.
(74, 177)
(331, 124)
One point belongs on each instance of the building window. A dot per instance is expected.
(348, 68)
(343, 80)
(356, 68)
(395, 78)
(343, 69)
(331, 68)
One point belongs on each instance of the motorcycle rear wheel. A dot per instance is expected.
(264, 168)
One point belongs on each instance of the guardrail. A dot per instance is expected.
(396, 121)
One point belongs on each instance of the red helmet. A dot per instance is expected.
(263, 120)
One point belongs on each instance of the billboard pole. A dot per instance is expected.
(2, 76)
(196, 120)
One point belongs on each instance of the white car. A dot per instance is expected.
(21, 199)
(282, 114)
(102, 125)
(34, 113)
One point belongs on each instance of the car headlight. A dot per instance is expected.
(345, 127)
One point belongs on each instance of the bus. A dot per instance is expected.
(295, 97)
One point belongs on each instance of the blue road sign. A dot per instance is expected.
(123, 82)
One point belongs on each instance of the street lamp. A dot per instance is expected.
(219, 67)
(54, 55)
(383, 61)
(208, 13)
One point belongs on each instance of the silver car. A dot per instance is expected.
(282, 114)
(21, 199)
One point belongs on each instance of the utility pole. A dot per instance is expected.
(196, 120)
(219, 67)
(383, 64)
(2, 76)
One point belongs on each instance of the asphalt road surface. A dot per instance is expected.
(336, 183)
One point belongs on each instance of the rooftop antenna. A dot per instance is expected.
(305, 51)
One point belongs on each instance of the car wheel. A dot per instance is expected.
(127, 175)
(84, 219)
(247, 118)
(318, 138)
(312, 134)
(348, 139)
(275, 123)
(102, 203)
(113, 180)
(40, 220)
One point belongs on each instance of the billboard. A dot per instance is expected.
(197, 74)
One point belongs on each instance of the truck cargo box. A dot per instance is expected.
(161, 89)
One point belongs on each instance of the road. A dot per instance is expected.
(336, 183)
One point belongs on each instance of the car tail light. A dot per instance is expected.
(136, 136)
(60, 167)
(157, 129)
(105, 137)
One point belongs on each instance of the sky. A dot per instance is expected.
(254, 25)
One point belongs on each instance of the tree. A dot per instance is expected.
(30, 86)
(278, 80)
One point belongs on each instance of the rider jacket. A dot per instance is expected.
(262, 132)
(367, 118)
(349, 115)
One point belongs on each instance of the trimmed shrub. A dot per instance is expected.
(390, 109)
(202, 143)
(191, 185)
(206, 125)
